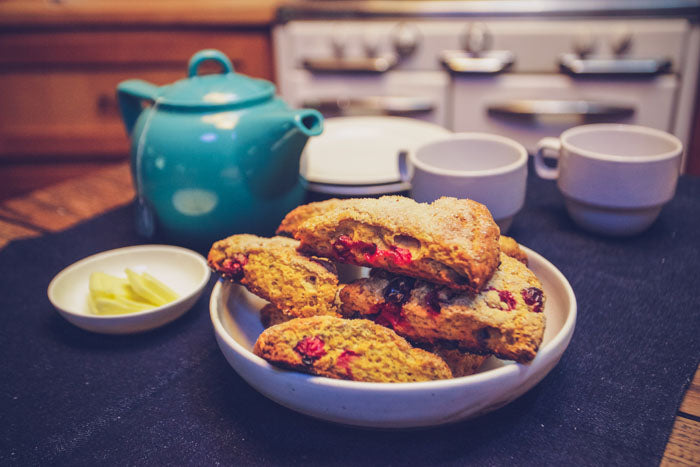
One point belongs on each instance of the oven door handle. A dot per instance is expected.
(383, 105)
(459, 62)
(572, 64)
(533, 109)
(373, 65)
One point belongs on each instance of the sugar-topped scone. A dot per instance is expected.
(451, 241)
(301, 214)
(358, 350)
(273, 269)
(506, 318)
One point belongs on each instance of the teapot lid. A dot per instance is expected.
(214, 90)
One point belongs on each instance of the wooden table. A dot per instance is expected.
(62, 205)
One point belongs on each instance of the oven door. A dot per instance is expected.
(527, 107)
(415, 94)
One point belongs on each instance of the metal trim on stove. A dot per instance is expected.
(628, 67)
(353, 9)
(532, 109)
(374, 105)
(373, 65)
(460, 62)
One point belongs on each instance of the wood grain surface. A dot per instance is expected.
(64, 204)
(164, 12)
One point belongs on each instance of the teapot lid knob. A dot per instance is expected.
(208, 54)
(214, 90)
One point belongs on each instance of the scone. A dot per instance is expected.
(272, 268)
(451, 241)
(506, 318)
(358, 350)
(271, 315)
(301, 214)
(461, 363)
(510, 247)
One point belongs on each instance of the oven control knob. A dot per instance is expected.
(477, 38)
(338, 46)
(584, 45)
(406, 39)
(621, 43)
(370, 45)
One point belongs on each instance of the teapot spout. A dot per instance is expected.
(271, 164)
(309, 121)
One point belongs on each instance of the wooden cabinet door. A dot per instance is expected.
(59, 86)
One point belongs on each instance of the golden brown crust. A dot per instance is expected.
(510, 247)
(461, 363)
(450, 241)
(272, 269)
(506, 319)
(271, 315)
(358, 350)
(301, 214)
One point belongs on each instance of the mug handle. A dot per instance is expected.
(543, 170)
(404, 167)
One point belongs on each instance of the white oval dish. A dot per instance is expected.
(234, 314)
(183, 270)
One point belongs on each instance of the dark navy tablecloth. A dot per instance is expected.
(70, 397)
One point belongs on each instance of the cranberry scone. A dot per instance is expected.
(506, 319)
(451, 241)
(357, 350)
(273, 269)
(301, 214)
(461, 363)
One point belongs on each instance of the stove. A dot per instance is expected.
(519, 69)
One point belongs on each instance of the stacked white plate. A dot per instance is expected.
(358, 156)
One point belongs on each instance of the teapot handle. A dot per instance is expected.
(208, 54)
(130, 93)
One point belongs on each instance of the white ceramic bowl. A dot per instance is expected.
(234, 314)
(183, 270)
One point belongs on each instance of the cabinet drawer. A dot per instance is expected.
(59, 87)
(66, 113)
(249, 49)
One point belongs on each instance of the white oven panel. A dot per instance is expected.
(522, 77)
(421, 95)
(536, 44)
(527, 107)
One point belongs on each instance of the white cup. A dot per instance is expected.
(487, 168)
(614, 178)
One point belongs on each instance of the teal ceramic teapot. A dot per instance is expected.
(213, 155)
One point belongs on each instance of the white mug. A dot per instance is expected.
(614, 178)
(487, 168)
